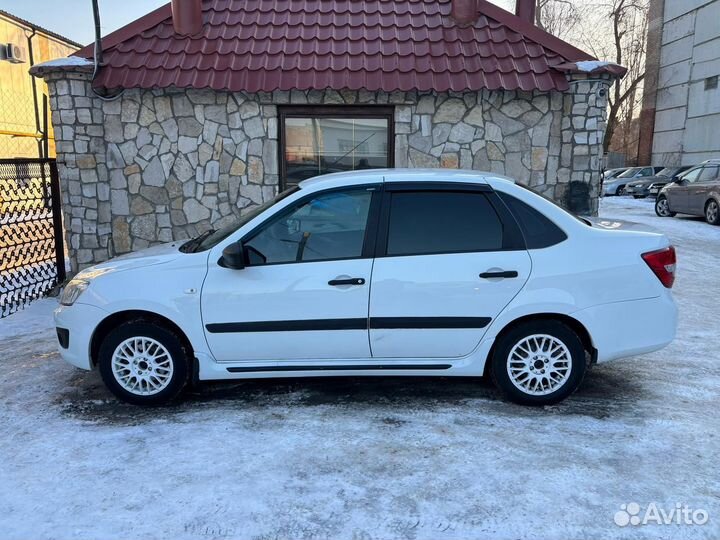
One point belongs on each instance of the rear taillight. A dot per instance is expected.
(662, 263)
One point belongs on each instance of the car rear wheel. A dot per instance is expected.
(144, 363)
(620, 191)
(538, 363)
(662, 208)
(712, 212)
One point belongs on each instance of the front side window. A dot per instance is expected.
(322, 140)
(429, 222)
(692, 175)
(214, 238)
(329, 226)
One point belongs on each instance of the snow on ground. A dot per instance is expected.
(370, 458)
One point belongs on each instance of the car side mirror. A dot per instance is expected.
(233, 256)
(677, 180)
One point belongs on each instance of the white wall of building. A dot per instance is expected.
(687, 119)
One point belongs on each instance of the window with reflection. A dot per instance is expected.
(322, 140)
(330, 226)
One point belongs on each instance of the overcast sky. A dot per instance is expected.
(73, 18)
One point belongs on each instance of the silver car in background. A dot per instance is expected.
(616, 186)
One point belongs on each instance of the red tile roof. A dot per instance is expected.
(266, 45)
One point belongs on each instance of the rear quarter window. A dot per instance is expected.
(538, 230)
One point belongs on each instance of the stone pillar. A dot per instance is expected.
(80, 145)
(583, 129)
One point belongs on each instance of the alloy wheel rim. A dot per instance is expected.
(662, 205)
(142, 366)
(539, 364)
(712, 211)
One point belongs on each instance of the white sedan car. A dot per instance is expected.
(382, 272)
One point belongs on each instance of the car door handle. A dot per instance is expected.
(500, 274)
(347, 281)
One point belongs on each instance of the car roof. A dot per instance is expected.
(371, 176)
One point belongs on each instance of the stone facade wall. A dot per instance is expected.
(161, 165)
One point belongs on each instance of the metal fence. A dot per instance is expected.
(32, 259)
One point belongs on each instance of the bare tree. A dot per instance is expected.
(558, 17)
(626, 45)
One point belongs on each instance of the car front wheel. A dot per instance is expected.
(712, 212)
(662, 208)
(538, 363)
(620, 191)
(144, 363)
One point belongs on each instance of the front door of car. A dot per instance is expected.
(699, 191)
(304, 291)
(677, 194)
(448, 261)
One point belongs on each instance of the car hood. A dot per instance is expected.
(145, 257)
(610, 224)
(649, 180)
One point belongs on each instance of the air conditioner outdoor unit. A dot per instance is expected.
(14, 54)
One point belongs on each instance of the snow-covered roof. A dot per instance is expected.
(69, 63)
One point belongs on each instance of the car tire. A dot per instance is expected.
(712, 212)
(144, 363)
(538, 363)
(662, 209)
(620, 191)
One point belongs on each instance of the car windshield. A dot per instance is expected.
(218, 236)
(668, 171)
(630, 172)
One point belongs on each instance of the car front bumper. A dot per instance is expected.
(75, 326)
(622, 329)
(638, 191)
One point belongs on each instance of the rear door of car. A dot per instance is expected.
(449, 258)
(699, 191)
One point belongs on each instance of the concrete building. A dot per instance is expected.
(207, 113)
(680, 119)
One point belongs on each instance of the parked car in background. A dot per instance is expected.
(616, 186)
(612, 173)
(651, 185)
(378, 272)
(695, 192)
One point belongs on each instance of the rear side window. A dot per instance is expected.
(709, 173)
(429, 222)
(538, 230)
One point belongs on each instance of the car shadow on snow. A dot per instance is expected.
(605, 393)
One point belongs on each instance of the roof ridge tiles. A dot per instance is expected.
(255, 45)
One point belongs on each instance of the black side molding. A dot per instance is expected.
(375, 323)
(395, 323)
(288, 326)
(337, 368)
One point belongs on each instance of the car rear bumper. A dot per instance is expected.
(622, 329)
(75, 326)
